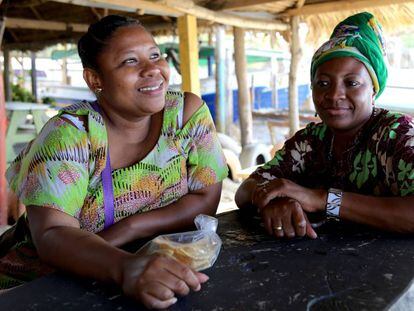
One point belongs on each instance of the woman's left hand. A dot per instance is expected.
(311, 200)
(286, 218)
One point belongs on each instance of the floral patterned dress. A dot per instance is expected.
(380, 162)
(62, 168)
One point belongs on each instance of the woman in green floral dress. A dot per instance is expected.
(140, 161)
(357, 164)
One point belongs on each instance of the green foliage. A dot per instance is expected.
(48, 100)
(21, 94)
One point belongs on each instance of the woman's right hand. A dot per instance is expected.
(285, 217)
(156, 280)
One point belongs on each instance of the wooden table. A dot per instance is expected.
(346, 268)
(17, 112)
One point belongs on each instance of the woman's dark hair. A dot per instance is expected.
(91, 44)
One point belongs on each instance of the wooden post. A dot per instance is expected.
(3, 127)
(273, 71)
(252, 92)
(210, 58)
(210, 65)
(220, 55)
(33, 75)
(6, 75)
(273, 82)
(65, 78)
(245, 109)
(229, 91)
(295, 52)
(187, 31)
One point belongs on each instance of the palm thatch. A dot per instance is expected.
(393, 18)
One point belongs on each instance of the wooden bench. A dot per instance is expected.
(18, 131)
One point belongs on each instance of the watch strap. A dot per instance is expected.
(333, 202)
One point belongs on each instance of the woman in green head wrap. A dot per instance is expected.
(357, 164)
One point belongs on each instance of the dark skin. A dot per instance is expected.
(134, 78)
(343, 95)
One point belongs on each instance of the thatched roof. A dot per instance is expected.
(33, 24)
(393, 18)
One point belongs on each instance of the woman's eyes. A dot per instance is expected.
(133, 60)
(352, 83)
(349, 83)
(130, 61)
(322, 83)
(155, 56)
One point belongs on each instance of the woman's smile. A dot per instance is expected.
(337, 111)
(154, 88)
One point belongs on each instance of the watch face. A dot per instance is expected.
(335, 190)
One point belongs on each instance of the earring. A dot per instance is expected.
(374, 110)
(98, 91)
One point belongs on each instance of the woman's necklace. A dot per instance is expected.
(354, 144)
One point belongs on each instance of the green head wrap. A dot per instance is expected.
(358, 36)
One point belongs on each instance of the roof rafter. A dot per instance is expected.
(16, 23)
(180, 7)
(188, 7)
(149, 7)
(300, 3)
(96, 13)
(242, 4)
(12, 22)
(334, 6)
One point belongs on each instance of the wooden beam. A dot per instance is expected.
(242, 4)
(188, 7)
(38, 45)
(187, 32)
(335, 6)
(179, 7)
(36, 12)
(96, 13)
(12, 22)
(15, 37)
(300, 3)
(149, 7)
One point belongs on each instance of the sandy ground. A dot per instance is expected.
(260, 134)
(227, 196)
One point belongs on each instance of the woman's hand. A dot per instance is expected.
(310, 200)
(285, 217)
(156, 280)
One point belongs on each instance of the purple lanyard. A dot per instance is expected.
(107, 187)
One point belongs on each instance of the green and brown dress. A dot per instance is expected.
(62, 167)
(380, 162)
